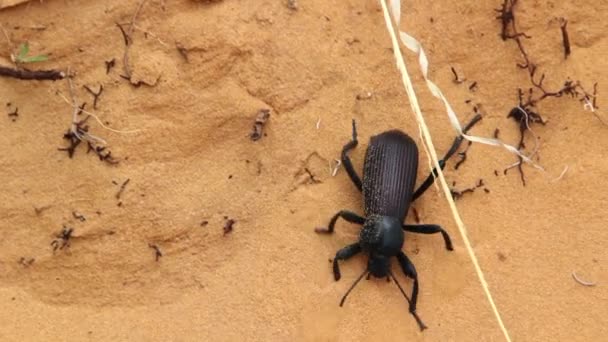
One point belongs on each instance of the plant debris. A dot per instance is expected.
(525, 119)
(458, 194)
(157, 252)
(26, 74)
(127, 35)
(463, 156)
(73, 138)
(365, 96)
(228, 225)
(510, 31)
(457, 78)
(582, 282)
(40, 210)
(122, 188)
(506, 17)
(102, 152)
(96, 95)
(312, 177)
(333, 169)
(473, 86)
(565, 39)
(25, 262)
(79, 132)
(63, 239)
(14, 114)
(110, 64)
(258, 126)
(526, 113)
(78, 216)
(292, 5)
(183, 51)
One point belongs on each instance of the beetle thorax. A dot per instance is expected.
(382, 235)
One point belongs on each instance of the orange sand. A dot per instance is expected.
(269, 279)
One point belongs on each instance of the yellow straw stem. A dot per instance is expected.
(433, 156)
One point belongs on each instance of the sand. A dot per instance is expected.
(192, 162)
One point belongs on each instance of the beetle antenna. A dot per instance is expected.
(352, 287)
(418, 320)
(400, 288)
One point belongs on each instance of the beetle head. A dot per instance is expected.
(382, 236)
(379, 265)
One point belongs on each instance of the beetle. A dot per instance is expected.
(389, 175)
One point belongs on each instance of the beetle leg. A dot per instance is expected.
(410, 271)
(427, 182)
(344, 254)
(345, 214)
(348, 166)
(455, 145)
(430, 229)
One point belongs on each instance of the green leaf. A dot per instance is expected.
(22, 57)
(24, 49)
(34, 59)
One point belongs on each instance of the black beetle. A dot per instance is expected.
(389, 176)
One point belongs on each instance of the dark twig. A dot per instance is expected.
(74, 137)
(125, 36)
(139, 83)
(463, 156)
(14, 114)
(473, 86)
(525, 113)
(26, 74)
(96, 95)
(311, 176)
(456, 79)
(228, 226)
(122, 188)
(128, 39)
(458, 194)
(110, 64)
(157, 252)
(81, 108)
(510, 32)
(506, 16)
(565, 39)
(525, 118)
(103, 153)
(78, 132)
